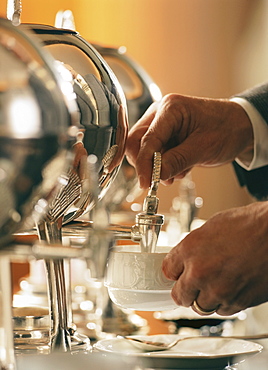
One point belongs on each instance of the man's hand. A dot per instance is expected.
(224, 263)
(188, 132)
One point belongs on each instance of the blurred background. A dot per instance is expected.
(212, 48)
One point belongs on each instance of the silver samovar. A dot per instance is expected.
(36, 132)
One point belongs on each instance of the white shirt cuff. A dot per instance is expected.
(260, 132)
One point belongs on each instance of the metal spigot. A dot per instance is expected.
(148, 223)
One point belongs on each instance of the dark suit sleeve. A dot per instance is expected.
(258, 96)
(255, 180)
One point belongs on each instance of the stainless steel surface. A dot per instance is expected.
(155, 176)
(102, 107)
(35, 134)
(35, 127)
(31, 329)
(151, 346)
(29, 317)
(103, 130)
(141, 101)
(49, 230)
(148, 223)
(40, 250)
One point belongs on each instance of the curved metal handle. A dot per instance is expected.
(156, 173)
(150, 204)
(148, 223)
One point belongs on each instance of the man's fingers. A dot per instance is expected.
(172, 265)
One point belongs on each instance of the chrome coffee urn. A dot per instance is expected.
(103, 126)
(102, 135)
(37, 129)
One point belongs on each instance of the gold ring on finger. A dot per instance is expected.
(195, 307)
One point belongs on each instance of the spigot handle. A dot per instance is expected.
(148, 223)
(150, 204)
(156, 174)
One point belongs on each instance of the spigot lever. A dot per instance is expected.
(148, 223)
(156, 174)
(151, 201)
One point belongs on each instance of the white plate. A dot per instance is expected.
(188, 314)
(196, 353)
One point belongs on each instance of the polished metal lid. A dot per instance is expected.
(102, 110)
(36, 129)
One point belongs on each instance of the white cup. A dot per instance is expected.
(135, 280)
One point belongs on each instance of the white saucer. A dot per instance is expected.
(196, 353)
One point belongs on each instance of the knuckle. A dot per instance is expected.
(168, 268)
(172, 99)
(169, 98)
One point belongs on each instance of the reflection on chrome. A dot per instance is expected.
(34, 123)
(102, 132)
